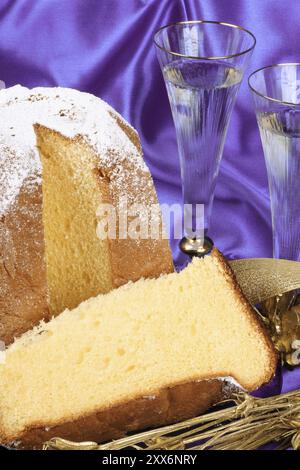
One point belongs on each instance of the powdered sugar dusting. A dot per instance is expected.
(16, 167)
(230, 384)
(70, 112)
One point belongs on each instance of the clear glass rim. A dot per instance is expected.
(274, 100)
(221, 23)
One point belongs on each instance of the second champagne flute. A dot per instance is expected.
(276, 93)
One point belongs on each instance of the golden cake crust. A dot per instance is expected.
(166, 406)
(23, 283)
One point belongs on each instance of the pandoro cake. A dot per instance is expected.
(146, 354)
(62, 153)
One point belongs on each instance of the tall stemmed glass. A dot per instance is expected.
(203, 63)
(276, 92)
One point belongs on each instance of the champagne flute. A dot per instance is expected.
(202, 63)
(276, 93)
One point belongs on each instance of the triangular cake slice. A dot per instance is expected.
(148, 353)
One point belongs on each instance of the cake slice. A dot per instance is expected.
(148, 353)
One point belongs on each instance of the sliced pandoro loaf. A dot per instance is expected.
(146, 354)
(63, 155)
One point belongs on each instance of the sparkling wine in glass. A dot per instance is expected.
(203, 63)
(276, 92)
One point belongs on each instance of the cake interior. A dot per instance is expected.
(71, 196)
(129, 343)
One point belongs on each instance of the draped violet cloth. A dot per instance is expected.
(105, 47)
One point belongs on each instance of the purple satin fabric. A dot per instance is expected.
(105, 47)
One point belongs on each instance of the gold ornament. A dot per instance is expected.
(272, 285)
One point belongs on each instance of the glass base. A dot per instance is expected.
(196, 247)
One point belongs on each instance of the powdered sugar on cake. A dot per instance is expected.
(16, 167)
(70, 112)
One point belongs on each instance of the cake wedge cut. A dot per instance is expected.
(148, 353)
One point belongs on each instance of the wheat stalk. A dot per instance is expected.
(248, 425)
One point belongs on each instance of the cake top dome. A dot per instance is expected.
(68, 111)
